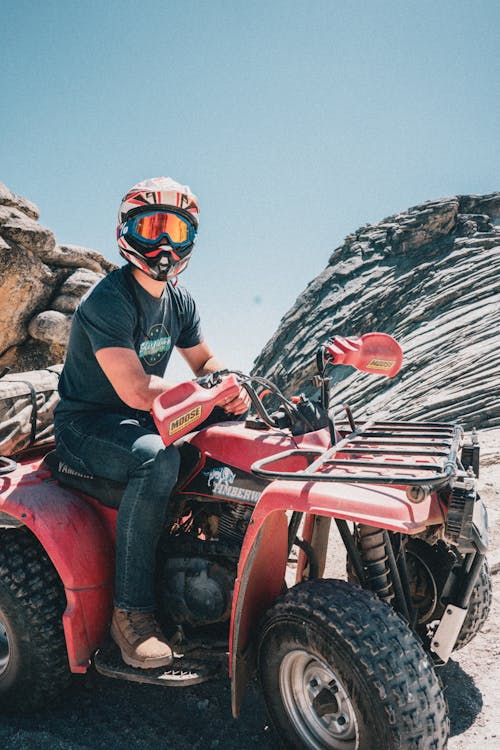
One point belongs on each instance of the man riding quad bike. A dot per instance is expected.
(122, 336)
(342, 663)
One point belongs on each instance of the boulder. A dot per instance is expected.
(430, 276)
(79, 282)
(65, 303)
(25, 232)
(74, 256)
(25, 286)
(41, 284)
(32, 355)
(50, 326)
(9, 199)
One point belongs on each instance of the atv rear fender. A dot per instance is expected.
(80, 545)
(263, 559)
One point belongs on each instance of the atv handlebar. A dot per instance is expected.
(181, 409)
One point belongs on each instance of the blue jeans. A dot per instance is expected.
(131, 451)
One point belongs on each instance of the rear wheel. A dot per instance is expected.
(33, 662)
(341, 671)
(428, 569)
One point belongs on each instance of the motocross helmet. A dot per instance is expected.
(157, 227)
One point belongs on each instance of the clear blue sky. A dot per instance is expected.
(294, 122)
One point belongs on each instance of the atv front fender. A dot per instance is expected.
(262, 564)
(261, 573)
(80, 547)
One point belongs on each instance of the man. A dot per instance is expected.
(121, 339)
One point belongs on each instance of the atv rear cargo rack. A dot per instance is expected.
(421, 454)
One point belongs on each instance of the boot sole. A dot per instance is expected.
(165, 661)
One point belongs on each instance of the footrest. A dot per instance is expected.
(189, 668)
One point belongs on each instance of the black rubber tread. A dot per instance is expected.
(440, 558)
(479, 608)
(32, 602)
(398, 700)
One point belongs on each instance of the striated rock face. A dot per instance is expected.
(430, 276)
(40, 286)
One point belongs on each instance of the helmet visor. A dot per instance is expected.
(153, 226)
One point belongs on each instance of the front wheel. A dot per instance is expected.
(33, 663)
(341, 671)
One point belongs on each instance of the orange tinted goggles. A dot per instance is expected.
(150, 228)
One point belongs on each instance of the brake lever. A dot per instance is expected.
(212, 379)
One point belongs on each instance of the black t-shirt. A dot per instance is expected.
(119, 312)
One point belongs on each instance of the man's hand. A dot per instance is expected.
(237, 404)
(203, 362)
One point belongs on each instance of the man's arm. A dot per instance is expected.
(138, 390)
(201, 360)
(124, 371)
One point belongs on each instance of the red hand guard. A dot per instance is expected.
(182, 408)
(377, 353)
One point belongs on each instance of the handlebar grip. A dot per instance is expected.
(182, 408)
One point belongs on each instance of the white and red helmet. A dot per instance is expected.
(164, 259)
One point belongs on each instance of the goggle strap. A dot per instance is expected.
(162, 207)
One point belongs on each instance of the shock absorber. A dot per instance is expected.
(373, 552)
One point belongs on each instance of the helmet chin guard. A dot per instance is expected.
(165, 268)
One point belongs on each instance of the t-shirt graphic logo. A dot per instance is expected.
(156, 345)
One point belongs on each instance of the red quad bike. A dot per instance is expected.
(342, 664)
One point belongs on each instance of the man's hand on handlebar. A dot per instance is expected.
(237, 404)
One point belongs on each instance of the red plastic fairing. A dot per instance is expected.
(234, 444)
(181, 409)
(261, 572)
(383, 506)
(80, 546)
(266, 540)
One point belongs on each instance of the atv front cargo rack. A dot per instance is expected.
(422, 454)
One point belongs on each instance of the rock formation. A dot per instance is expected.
(430, 276)
(41, 283)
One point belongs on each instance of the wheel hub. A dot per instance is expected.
(317, 703)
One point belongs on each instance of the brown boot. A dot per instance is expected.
(140, 639)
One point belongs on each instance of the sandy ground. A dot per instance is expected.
(472, 676)
(103, 713)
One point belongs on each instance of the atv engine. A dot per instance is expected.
(197, 563)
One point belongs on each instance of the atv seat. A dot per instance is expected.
(108, 491)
